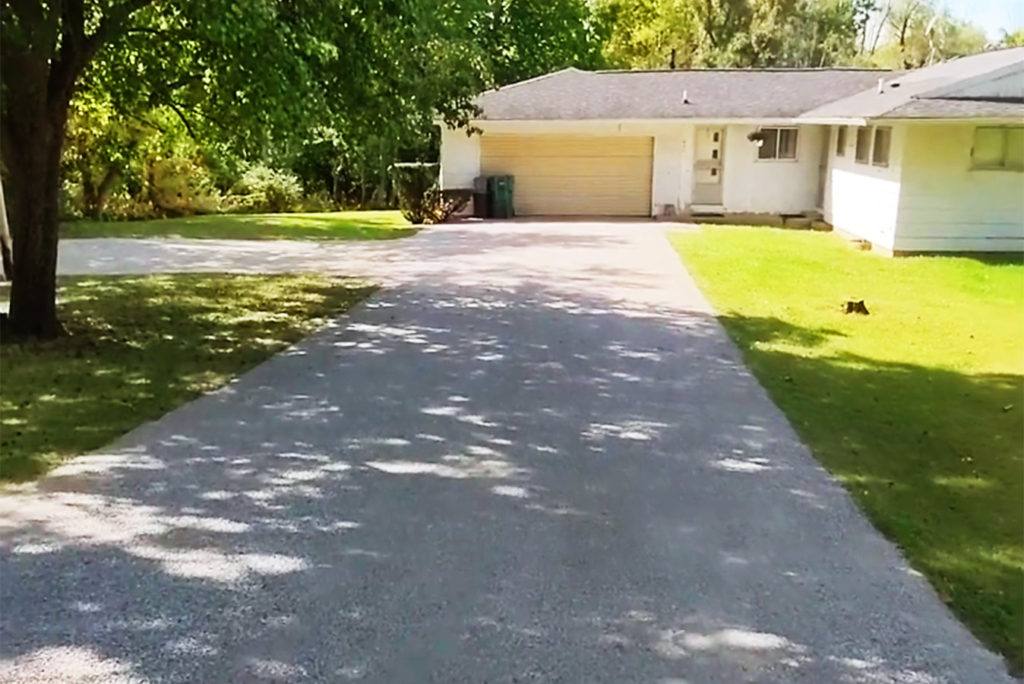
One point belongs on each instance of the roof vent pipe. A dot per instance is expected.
(686, 100)
(881, 82)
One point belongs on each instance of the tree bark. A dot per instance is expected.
(34, 198)
(37, 99)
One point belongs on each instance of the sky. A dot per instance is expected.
(992, 15)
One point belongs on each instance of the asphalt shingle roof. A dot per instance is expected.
(711, 93)
(572, 94)
(924, 93)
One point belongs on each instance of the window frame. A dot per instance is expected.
(777, 134)
(842, 140)
(870, 135)
(886, 131)
(1003, 165)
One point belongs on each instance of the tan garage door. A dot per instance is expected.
(573, 175)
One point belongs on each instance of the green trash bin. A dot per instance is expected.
(500, 190)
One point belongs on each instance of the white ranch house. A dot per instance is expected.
(926, 160)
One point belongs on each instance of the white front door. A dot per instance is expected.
(708, 165)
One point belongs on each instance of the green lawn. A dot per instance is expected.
(916, 407)
(338, 225)
(138, 347)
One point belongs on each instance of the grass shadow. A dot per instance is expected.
(932, 456)
(139, 346)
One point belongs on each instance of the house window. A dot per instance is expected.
(841, 141)
(777, 143)
(863, 151)
(880, 151)
(998, 148)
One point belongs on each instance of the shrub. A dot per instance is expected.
(413, 183)
(268, 189)
(179, 186)
(419, 198)
(70, 200)
(443, 204)
(317, 201)
(123, 206)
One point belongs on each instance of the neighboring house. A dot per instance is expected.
(928, 160)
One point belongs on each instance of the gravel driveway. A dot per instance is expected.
(533, 456)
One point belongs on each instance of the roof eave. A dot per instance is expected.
(973, 120)
(834, 120)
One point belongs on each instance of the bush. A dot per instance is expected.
(443, 204)
(124, 207)
(419, 198)
(267, 189)
(317, 201)
(413, 183)
(173, 186)
(178, 186)
(70, 200)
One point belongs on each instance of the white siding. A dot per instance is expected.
(460, 159)
(771, 186)
(945, 205)
(862, 200)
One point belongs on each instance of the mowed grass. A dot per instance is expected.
(140, 346)
(338, 225)
(916, 408)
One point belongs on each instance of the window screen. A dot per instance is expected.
(1015, 148)
(778, 143)
(998, 148)
(863, 145)
(841, 141)
(787, 143)
(883, 140)
(770, 143)
(988, 147)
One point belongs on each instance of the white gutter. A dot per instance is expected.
(835, 120)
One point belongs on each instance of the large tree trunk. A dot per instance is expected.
(33, 137)
(34, 186)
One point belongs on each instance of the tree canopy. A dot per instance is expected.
(791, 33)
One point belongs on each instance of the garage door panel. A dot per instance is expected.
(567, 146)
(582, 175)
(585, 167)
(569, 206)
(597, 189)
(573, 166)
